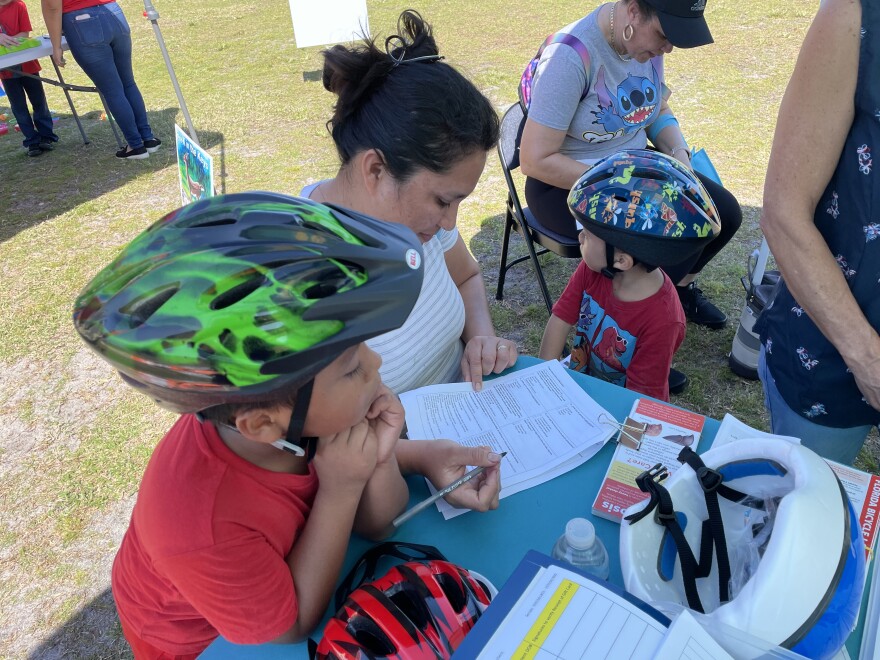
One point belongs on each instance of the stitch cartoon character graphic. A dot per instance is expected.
(635, 103)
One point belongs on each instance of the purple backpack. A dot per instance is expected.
(525, 83)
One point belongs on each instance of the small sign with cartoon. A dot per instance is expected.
(196, 169)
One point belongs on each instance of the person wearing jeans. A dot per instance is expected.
(99, 39)
(36, 130)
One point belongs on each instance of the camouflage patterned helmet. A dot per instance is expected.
(234, 298)
(647, 204)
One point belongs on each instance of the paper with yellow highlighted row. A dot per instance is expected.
(541, 417)
(565, 615)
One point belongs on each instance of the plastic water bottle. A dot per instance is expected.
(581, 548)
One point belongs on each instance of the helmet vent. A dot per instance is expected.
(237, 293)
(228, 340)
(257, 350)
(454, 591)
(372, 638)
(411, 605)
(328, 281)
(649, 173)
(219, 222)
(141, 310)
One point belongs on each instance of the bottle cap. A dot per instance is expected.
(580, 533)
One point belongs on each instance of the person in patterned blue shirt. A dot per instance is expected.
(820, 356)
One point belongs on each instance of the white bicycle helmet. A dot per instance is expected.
(804, 594)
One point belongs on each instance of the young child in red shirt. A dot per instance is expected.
(247, 314)
(36, 130)
(637, 210)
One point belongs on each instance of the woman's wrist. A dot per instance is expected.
(677, 151)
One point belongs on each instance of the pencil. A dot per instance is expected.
(424, 504)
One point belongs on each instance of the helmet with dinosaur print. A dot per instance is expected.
(647, 204)
(236, 297)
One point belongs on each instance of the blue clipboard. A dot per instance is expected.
(510, 594)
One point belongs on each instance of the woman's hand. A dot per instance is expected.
(58, 56)
(445, 461)
(484, 355)
(386, 418)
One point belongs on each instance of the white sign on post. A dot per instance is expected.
(328, 21)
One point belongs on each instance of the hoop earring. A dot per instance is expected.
(628, 35)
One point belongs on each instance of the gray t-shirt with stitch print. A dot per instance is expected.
(623, 98)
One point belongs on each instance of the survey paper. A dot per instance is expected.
(686, 639)
(544, 421)
(565, 615)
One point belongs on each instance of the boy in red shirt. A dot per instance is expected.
(637, 210)
(247, 314)
(37, 130)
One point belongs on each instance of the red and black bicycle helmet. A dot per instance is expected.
(417, 610)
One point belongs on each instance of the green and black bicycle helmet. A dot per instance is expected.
(647, 204)
(239, 296)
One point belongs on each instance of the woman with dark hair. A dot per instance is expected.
(600, 89)
(412, 135)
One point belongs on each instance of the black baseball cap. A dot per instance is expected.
(682, 22)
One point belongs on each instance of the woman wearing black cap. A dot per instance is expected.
(601, 89)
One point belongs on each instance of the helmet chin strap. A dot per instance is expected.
(609, 271)
(294, 442)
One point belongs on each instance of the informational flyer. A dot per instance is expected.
(544, 421)
(666, 430)
(196, 168)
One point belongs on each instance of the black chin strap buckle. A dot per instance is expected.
(710, 480)
(649, 482)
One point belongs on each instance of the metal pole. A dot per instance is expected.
(153, 16)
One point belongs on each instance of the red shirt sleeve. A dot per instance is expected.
(243, 587)
(568, 306)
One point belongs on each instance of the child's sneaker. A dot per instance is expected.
(132, 154)
(152, 145)
(34, 150)
(46, 145)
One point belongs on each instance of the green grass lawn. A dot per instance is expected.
(74, 440)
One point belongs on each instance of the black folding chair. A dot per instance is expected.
(519, 217)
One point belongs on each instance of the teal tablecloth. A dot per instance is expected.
(493, 543)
